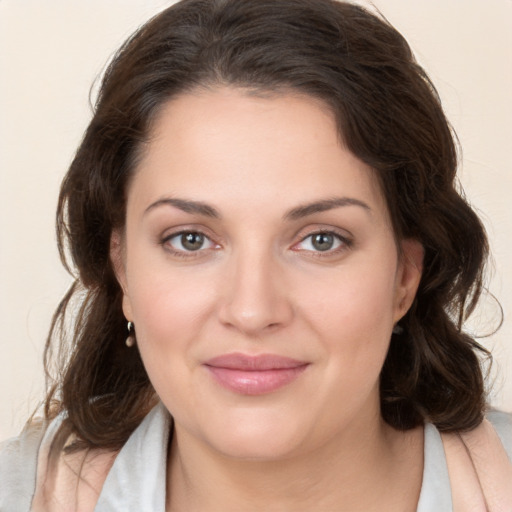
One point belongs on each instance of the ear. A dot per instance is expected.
(117, 257)
(410, 268)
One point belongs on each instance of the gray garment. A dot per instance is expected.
(137, 480)
(435, 493)
(18, 467)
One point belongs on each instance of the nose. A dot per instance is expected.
(256, 299)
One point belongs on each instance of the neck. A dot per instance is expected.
(362, 468)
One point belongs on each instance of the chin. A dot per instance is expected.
(257, 437)
(256, 448)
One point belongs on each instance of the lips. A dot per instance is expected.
(254, 375)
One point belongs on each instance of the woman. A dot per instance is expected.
(270, 250)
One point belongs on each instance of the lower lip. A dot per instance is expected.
(257, 382)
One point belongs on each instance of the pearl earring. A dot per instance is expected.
(130, 340)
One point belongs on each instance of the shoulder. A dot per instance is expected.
(18, 466)
(480, 463)
(73, 481)
(33, 476)
(502, 424)
(61, 479)
(70, 480)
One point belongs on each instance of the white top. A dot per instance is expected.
(137, 480)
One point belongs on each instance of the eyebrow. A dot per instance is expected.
(299, 212)
(324, 205)
(187, 206)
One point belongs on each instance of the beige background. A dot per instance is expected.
(51, 51)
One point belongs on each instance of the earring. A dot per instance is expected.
(397, 329)
(130, 340)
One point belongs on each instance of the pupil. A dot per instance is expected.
(323, 241)
(192, 241)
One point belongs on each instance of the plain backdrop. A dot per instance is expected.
(50, 54)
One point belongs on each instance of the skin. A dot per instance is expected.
(259, 285)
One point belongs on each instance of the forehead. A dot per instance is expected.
(225, 144)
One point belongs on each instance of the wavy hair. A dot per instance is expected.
(388, 114)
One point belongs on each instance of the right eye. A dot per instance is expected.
(188, 241)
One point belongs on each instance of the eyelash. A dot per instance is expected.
(344, 243)
(182, 253)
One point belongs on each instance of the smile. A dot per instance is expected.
(254, 375)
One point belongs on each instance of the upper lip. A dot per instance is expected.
(238, 361)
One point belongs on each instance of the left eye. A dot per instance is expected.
(321, 242)
(189, 241)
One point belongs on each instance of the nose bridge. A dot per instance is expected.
(254, 296)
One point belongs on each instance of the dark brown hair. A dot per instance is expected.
(389, 115)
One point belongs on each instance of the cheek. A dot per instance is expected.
(352, 314)
(354, 301)
(167, 307)
(169, 319)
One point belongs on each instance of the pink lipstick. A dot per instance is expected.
(254, 375)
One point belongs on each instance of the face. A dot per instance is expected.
(261, 272)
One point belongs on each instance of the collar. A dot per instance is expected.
(137, 479)
(435, 492)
